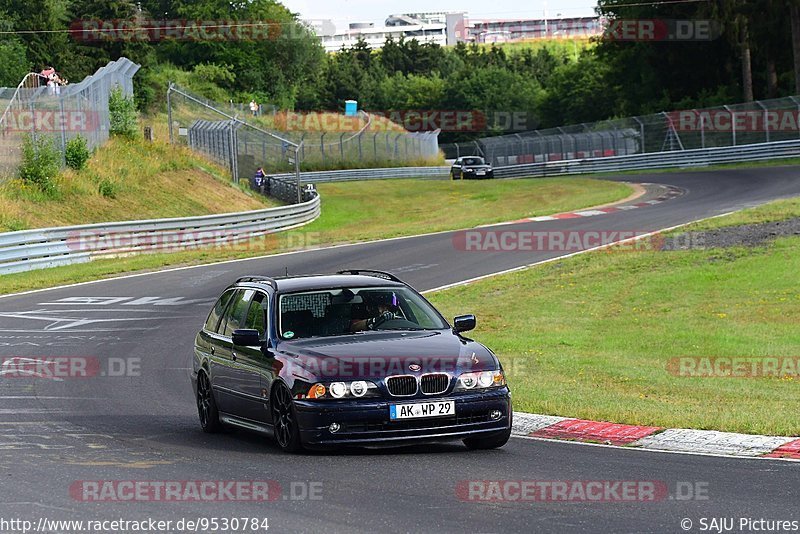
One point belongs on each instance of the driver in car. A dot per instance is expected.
(382, 306)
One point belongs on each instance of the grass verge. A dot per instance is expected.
(165, 181)
(357, 211)
(593, 336)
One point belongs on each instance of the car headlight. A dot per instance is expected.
(480, 380)
(356, 389)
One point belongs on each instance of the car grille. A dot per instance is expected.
(402, 386)
(434, 383)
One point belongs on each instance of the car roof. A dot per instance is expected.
(332, 281)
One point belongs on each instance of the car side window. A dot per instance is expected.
(237, 311)
(213, 321)
(257, 314)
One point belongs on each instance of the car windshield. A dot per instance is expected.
(344, 311)
(473, 161)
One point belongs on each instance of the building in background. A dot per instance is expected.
(450, 28)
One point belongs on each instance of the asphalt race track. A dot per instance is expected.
(56, 433)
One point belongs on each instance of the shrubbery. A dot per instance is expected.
(107, 188)
(77, 153)
(122, 114)
(41, 162)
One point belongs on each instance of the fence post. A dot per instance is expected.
(169, 113)
(766, 123)
(796, 103)
(322, 146)
(63, 132)
(360, 153)
(702, 129)
(733, 125)
(641, 132)
(232, 154)
(297, 172)
(341, 145)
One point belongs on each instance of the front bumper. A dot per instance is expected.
(367, 422)
(474, 175)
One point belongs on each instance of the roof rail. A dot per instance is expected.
(266, 279)
(371, 272)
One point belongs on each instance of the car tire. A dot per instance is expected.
(207, 410)
(492, 441)
(284, 420)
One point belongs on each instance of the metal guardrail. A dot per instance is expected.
(369, 174)
(34, 249)
(49, 247)
(657, 160)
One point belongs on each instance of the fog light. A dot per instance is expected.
(334, 428)
(494, 415)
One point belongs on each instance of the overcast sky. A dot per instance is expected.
(343, 11)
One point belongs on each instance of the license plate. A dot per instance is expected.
(481, 173)
(422, 409)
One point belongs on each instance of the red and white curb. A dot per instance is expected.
(670, 193)
(679, 440)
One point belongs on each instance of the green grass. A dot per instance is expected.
(127, 180)
(592, 336)
(358, 211)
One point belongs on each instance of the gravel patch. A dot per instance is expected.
(747, 235)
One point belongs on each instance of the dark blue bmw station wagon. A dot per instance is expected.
(353, 359)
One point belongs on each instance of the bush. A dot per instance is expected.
(108, 189)
(77, 153)
(41, 162)
(122, 114)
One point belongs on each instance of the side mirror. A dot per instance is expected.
(246, 338)
(463, 323)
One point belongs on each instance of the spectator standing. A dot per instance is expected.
(259, 178)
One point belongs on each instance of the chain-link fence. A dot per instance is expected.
(35, 108)
(741, 124)
(244, 141)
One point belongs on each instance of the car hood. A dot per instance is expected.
(379, 354)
